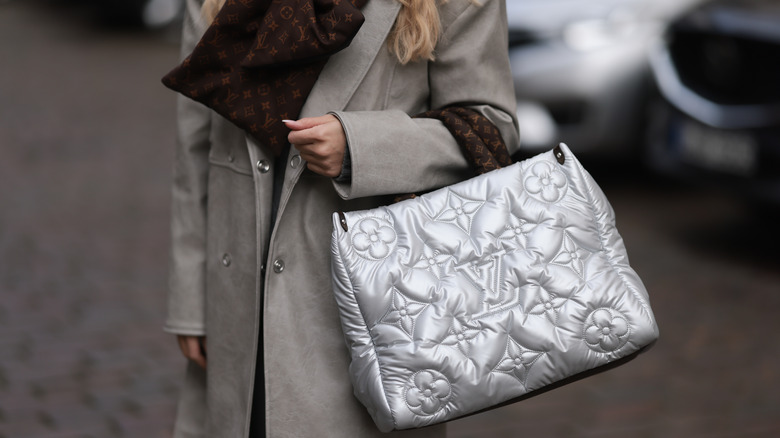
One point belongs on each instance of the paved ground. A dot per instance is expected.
(86, 136)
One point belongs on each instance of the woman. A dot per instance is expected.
(251, 271)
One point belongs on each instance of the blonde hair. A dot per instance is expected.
(416, 31)
(414, 36)
(210, 8)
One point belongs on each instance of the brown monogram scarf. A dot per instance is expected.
(257, 62)
(479, 139)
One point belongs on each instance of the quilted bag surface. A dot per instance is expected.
(483, 291)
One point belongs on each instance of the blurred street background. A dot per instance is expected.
(86, 143)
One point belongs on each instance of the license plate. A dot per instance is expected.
(726, 151)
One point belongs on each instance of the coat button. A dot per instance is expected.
(226, 260)
(263, 166)
(278, 266)
(295, 161)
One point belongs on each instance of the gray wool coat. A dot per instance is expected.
(230, 270)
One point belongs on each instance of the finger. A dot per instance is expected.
(191, 349)
(322, 154)
(330, 132)
(308, 122)
(314, 151)
(300, 138)
(314, 134)
(195, 353)
(295, 125)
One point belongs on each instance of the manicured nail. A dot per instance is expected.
(287, 121)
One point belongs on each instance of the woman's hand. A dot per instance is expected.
(193, 348)
(321, 142)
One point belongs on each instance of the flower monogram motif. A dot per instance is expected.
(570, 255)
(546, 182)
(517, 361)
(606, 330)
(403, 313)
(375, 240)
(459, 211)
(427, 392)
(548, 305)
(460, 335)
(432, 261)
(517, 230)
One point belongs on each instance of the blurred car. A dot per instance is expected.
(718, 70)
(581, 70)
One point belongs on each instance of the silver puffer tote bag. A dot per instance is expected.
(481, 292)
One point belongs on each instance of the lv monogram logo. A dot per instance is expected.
(304, 37)
(261, 41)
(488, 275)
(291, 78)
(333, 20)
(269, 121)
(231, 97)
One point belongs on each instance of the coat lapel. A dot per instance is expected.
(342, 75)
(346, 69)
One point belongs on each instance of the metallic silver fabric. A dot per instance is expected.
(483, 291)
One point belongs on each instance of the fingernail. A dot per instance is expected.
(287, 121)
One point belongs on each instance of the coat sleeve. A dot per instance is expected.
(392, 152)
(187, 277)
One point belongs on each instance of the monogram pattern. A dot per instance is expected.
(546, 183)
(479, 140)
(461, 334)
(606, 330)
(495, 287)
(403, 313)
(427, 392)
(517, 361)
(375, 240)
(258, 61)
(459, 211)
(433, 261)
